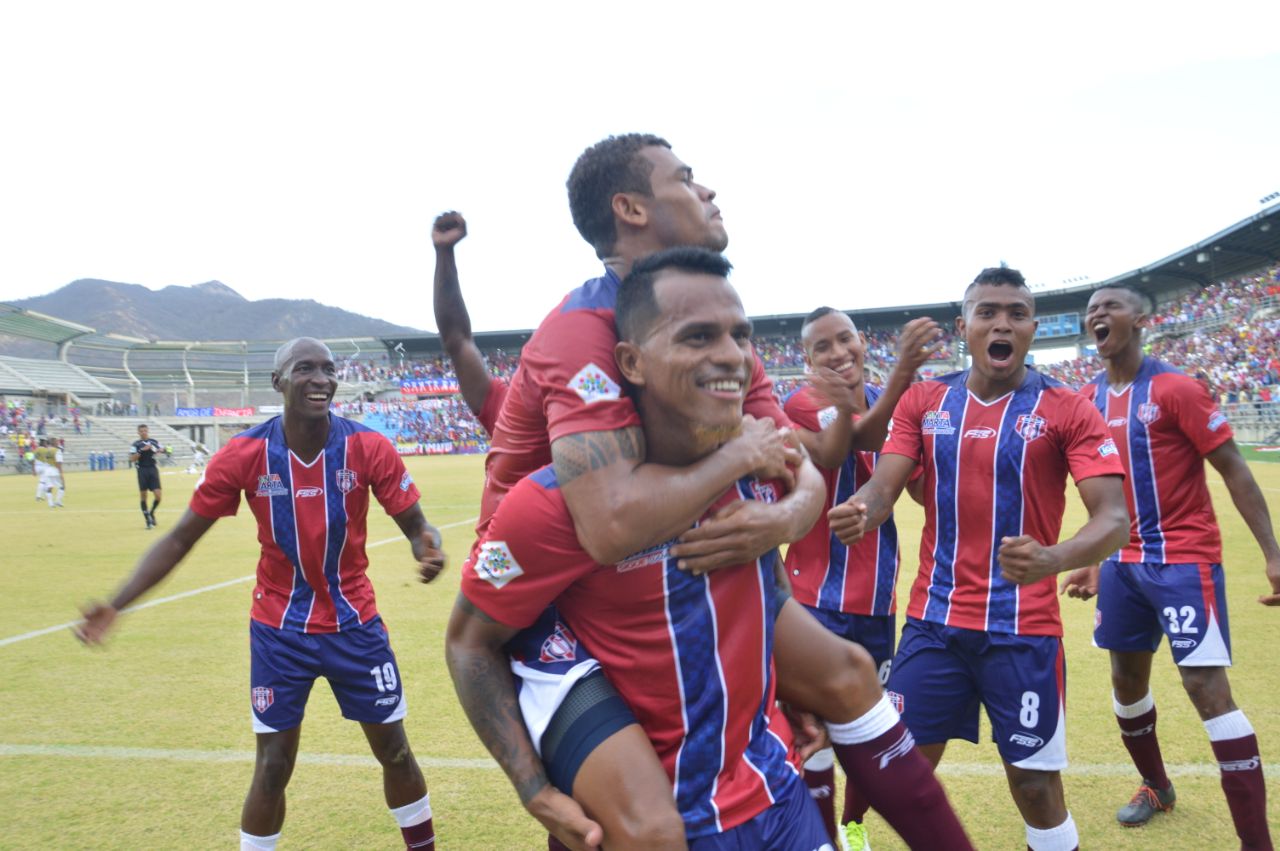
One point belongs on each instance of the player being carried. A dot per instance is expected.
(307, 476)
(996, 443)
(689, 653)
(1168, 579)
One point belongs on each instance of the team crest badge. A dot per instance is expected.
(1029, 426)
(593, 384)
(896, 699)
(827, 416)
(271, 485)
(561, 645)
(263, 697)
(1148, 412)
(346, 480)
(764, 491)
(496, 565)
(937, 422)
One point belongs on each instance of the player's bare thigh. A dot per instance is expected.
(622, 785)
(819, 671)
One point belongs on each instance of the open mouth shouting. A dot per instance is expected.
(1000, 353)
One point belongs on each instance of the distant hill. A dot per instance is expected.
(209, 311)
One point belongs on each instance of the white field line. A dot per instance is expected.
(14, 639)
(954, 769)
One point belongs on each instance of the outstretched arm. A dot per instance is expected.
(873, 502)
(424, 539)
(1025, 560)
(1252, 505)
(153, 567)
(482, 678)
(452, 319)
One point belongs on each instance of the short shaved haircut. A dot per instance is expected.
(284, 354)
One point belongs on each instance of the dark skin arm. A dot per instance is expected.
(1252, 505)
(157, 563)
(424, 539)
(452, 319)
(1024, 560)
(920, 339)
(873, 503)
(610, 489)
(481, 671)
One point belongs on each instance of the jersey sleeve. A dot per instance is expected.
(800, 409)
(1198, 415)
(217, 492)
(529, 556)
(488, 413)
(580, 384)
(1086, 441)
(760, 402)
(391, 483)
(905, 437)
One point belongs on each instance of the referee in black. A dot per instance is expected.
(144, 459)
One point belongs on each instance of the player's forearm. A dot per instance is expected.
(1106, 531)
(800, 509)
(871, 430)
(156, 564)
(452, 320)
(878, 498)
(1252, 505)
(830, 447)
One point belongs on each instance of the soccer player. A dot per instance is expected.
(306, 476)
(1168, 578)
(689, 653)
(849, 590)
(996, 443)
(48, 471)
(143, 457)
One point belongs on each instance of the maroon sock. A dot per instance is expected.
(554, 844)
(1246, 789)
(419, 836)
(855, 805)
(822, 788)
(1139, 737)
(899, 784)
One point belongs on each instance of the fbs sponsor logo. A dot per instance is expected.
(1253, 763)
(1026, 740)
(405, 481)
(346, 480)
(560, 646)
(262, 697)
(387, 700)
(496, 565)
(980, 433)
(270, 485)
(1217, 420)
(1182, 643)
(1030, 426)
(937, 422)
(305, 493)
(1117, 422)
(593, 384)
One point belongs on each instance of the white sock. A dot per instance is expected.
(1064, 837)
(415, 813)
(1233, 725)
(1133, 710)
(249, 842)
(821, 761)
(877, 721)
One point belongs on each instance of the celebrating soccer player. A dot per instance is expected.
(1168, 579)
(306, 476)
(996, 443)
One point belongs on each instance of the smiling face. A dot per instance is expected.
(1116, 318)
(680, 210)
(307, 377)
(833, 342)
(692, 367)
(998, 326)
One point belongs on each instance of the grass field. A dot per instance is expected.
(146, 744)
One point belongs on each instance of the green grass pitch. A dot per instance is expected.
(146, 744)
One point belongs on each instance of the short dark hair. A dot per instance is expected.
(1144, 302)
(603, 170)
(637, 308)
(816, 314)
(997, 276)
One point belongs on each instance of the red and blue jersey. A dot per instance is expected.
(311, 519)
(691, 655)
(1165, 422)
(568, 383)
(994, 470)
(826, 574)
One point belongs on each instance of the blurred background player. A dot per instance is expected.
(47, 468)
(307, 476)
(1168, 579)
(996, 443)
(143, 455)
(850, 590)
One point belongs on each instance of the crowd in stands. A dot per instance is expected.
(786, 353)
(354, 370)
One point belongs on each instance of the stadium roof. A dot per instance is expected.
(30, 325)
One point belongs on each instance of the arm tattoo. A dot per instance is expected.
(578, 454)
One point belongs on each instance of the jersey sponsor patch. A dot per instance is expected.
(980, 433)
(387, 700)
(1029, 426)
(270, 485)
(307, 493)
(1117, 422)
(496, 565)
(827, 416)
(262, 698)
(937, 422)
(1148, 412)
(405, 481)
(765, 491)
(1107, 447)
(592, 384)
(644, 558)
(1027, 740)
(561, 645)
(346, 480)
(1217, 420)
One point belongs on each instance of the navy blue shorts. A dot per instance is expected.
(791, 824)
(1138, 602)
(942, 674)
(874, 632)
(358, 663)
(148, 479)
(591, 712)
